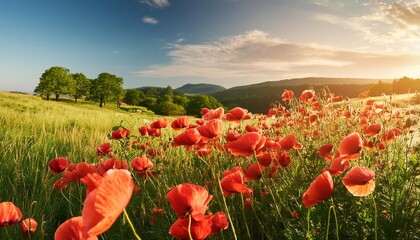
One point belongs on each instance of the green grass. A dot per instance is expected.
(34, 131)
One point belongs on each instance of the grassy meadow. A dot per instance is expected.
(34, 131)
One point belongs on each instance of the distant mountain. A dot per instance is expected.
(257, 98)
(314, 81)
(201, 88)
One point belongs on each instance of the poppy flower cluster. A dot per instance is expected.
(190, 203)
(10, 215)
(257, 149)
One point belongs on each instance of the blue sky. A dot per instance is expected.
(225, 42)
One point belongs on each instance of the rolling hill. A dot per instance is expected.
(201, 88)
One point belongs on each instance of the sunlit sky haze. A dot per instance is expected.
(225, 42)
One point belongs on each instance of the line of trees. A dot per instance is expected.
(166, 101)
(398, 86)
(59, 81)
(108, 87)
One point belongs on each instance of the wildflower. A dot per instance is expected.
(212, 129)
(58, 165)
(188, 138)
(199, 229)
(237, 114)
(319, 190)
(104, 149)
(287, 95)
(160, 123)
(350, 146)
(73, 229)
(325, 151)
(373, 129)
(254, 171)
(111, 163)
(142, 165)
(179, 123)
(28, 227)
(189, 199)
(246, 145)
(105, 203)
(9, 214)
(219, 222)
(233, 182)
(359, 181)
(120, 133)
(289, 142)
(209, 114)
(307, 96)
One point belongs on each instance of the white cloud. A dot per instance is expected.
(396, 25)
(156, 3)
(150, 20)
(255, 55)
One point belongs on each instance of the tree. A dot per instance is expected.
(56, 80)
(168, 108)
(169, 91)
(132, 97)
(82, 85)
(198, 102)
(107, 87)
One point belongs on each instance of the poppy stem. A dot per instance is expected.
(336, 220)
(328, 223)
(376, 218)
(308, 218)
(131, 225)
(189, 227)
(227, 212)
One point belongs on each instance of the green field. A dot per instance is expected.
(34, 131)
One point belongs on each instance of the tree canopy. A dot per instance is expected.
(55, 80)
(107, 87)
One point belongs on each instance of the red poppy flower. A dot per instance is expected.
(142, 166)
(325, 151)
(287, 95)
(350, 146)
(219, 222)
(230, 137)
(9, 214)
(199, 229)
(289, 142)
(266, 159)
(246, 145)
(338, 165)
(104, 204)
(77, 171)
(359, 181)
(319, 190)
(307, 96)
(28, 227)
(249, 128)
(104, 149)
(120, 133)
(391, 134)
(247, 203)
(73, 229)
(58, 165)
(179, 123)
(233, 182)
(209, 114)
(189, 199)
(111, 163)
(373, 129)
(212, 129)
(188, 138)
(254, 171)
(143, 130)
(160, 123)
(282, 159)
(237, 114)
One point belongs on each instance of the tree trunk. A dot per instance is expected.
(101, 103)
(57, 96)
(48, 97)
(75, 99)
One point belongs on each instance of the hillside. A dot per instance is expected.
(314, 81)
(201, 88)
